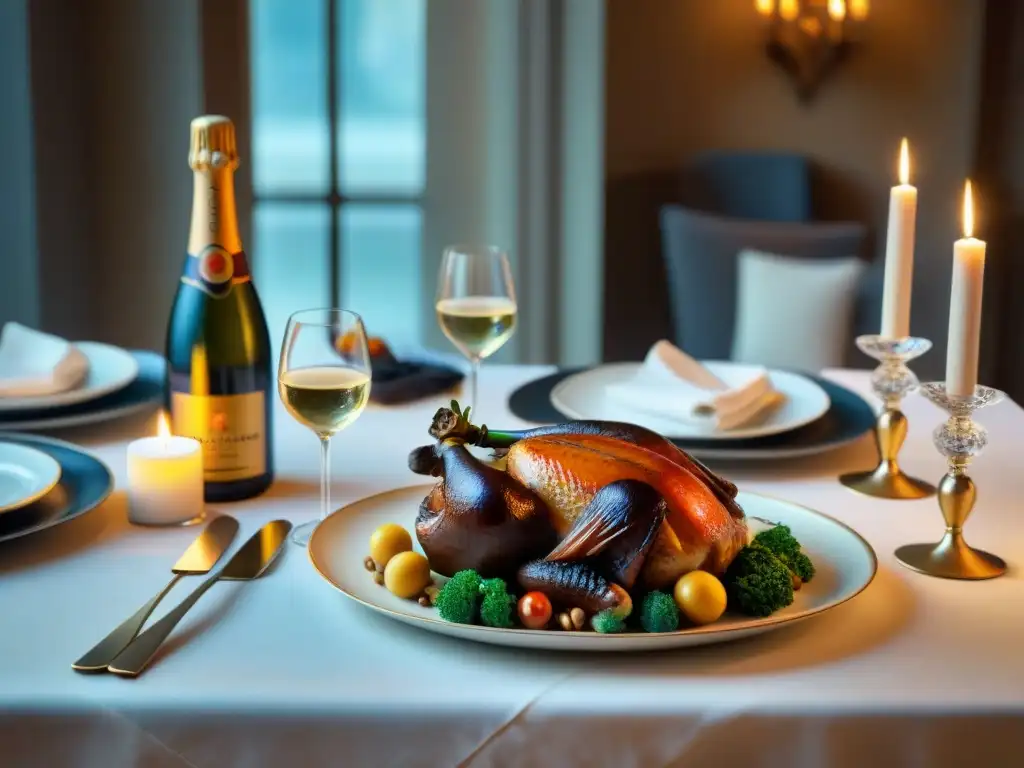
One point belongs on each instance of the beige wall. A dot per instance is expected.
(690, 75)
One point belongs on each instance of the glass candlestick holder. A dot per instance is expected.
(959, 439)
(891, 381)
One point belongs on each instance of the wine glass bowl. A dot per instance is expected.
(324, 383)
(476, 303)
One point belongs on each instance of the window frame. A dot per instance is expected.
(227, 83)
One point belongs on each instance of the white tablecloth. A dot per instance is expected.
(285, 672)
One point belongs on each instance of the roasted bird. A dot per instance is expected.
(584, 511)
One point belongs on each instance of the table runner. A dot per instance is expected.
(285, 671)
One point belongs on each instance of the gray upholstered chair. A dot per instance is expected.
(762, 186)
(701, 255)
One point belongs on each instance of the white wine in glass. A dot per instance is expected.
(324, 398)
(476, 304)
(324, 382)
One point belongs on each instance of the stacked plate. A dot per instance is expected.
(117, 382)
(816, 415)
(45, 482)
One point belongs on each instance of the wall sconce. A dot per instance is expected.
(809, 38)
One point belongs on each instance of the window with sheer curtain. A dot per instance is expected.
(338, 137)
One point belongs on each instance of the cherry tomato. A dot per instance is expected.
(534, 610)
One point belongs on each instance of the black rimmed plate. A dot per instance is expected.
(145, 391)
(85, 483)
(848, 418)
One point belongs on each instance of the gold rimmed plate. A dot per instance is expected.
(845, 562)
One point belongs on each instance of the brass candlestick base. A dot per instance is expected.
(891, 381)
(887, 480)
(959, 439)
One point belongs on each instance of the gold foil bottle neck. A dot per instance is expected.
(213, 143)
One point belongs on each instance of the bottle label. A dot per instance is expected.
(231, 429)
(215, 272)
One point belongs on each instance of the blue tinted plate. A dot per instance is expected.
(85, 482)
(145, 391)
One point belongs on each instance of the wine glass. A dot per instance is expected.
(476, 303)
(324, 382)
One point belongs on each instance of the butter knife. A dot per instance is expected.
(202, 554)
(248, 563)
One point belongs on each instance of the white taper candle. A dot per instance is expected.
(899, 253)
(965, 307)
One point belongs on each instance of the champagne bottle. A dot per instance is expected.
(218, 348)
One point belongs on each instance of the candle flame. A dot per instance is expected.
(765, 7)
(163, 427)
(837, 9)
(904, 163)
(968, 210)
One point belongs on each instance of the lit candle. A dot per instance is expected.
(165, 479)
(965, 307)
(899, 253)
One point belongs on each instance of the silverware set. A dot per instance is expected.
(126, 652)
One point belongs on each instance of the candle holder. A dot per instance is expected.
(959, 439)
(891, 381)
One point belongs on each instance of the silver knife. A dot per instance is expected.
(249, 563)
(199, 558)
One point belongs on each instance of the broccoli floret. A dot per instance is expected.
(781, 543)
(801, 565)
(758, 583)
(498, 605)
(659, 613)
(459, 598)
(607, 623)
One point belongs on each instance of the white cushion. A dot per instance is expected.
(794, 312)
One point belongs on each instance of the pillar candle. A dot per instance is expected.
(165, 479)
(965, 307)
(899, 253)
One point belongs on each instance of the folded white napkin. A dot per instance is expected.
(671, 383)
(33, 363)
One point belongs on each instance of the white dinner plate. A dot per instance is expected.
(845, 565)
(26, 475)
(110, 368)
(584, 395)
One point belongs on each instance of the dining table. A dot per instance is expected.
(287, 671)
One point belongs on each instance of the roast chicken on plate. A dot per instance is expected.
(583, 511)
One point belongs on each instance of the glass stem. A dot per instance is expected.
(474, 374)
(325, 476)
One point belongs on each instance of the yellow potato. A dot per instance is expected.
(407, 574)
(700, 596)
(387, 541)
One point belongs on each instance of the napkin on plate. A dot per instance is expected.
(33, 363)
(671, 383)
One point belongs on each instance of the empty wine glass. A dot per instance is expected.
(324, 382)
(476, 303)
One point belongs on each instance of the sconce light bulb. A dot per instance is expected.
(837, 9)
(859, 9)
(765, 7)
(789, 10)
